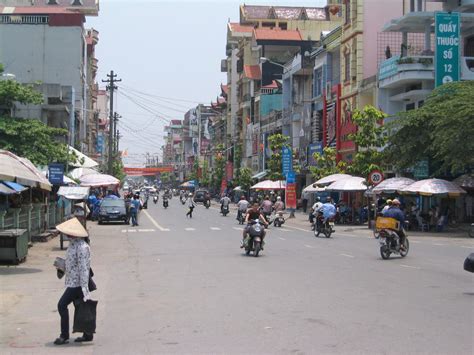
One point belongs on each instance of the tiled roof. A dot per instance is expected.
(35, 10)
(176, 122)
(253, 72)
(273, 85)
(237, 27)
(277, 34)
(255, 12)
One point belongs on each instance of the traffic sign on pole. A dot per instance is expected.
(375, 177)
(286, 160)
(447, 48)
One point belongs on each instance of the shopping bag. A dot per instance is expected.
(84, 316)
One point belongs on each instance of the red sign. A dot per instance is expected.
(147, 171)
(290, 195)
(375, 177)
(229, 168)
(223, 185)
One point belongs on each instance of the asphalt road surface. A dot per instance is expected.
(180, 285)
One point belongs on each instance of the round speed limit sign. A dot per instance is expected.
(375, 177)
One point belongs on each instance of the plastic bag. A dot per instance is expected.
(84, 316)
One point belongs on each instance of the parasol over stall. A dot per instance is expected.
(270, 185)
(327, 180)
(352, 183)
(466, 181)
(96, 180)
(431, 187)
(392, 185)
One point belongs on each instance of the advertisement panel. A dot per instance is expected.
(290, 191)
(286, 160)
(56, 173)
(447, 47)
(314, 148)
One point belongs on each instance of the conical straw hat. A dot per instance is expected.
(73, 228)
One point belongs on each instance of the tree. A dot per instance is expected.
(276, 142)
(441, 131)
(117, 169)
(12, 91)
(205, 174)
(219, 167)
(244, 179)
(370, 139)
(326, 164)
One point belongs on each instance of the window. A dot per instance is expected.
(347, 14)
(283, 26)
(52, 2)
(318, 82)
(76, 2)
(347, 67)
(268, 24)
(410, 106)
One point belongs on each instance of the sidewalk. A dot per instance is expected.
(301, 221)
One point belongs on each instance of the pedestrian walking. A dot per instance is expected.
(77, 270)
(134, 208)
(191, 206)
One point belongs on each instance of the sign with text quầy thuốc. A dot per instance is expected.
(56, 173)
(286, 160)
(447, 48)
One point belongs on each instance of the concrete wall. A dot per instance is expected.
(43, 53)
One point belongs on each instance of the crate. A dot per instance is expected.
(387, 223)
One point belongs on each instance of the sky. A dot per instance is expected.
(168, 55)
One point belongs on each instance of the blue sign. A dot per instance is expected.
(56, 173)
(447, 50)
(314, 148)
(286, 160)
(389, 67)
(100, 144)
(291, 177)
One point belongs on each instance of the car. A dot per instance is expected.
(113, 210)
(200, 195)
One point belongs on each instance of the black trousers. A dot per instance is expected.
(190, 212)
(70, 295)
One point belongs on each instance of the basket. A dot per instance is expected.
(387, 223)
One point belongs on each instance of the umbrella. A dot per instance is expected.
(430, 187)
(79, 172)
(332, 178)
(466, 181)
(188, 184)
(392, 185)
(270, 185)
(83, 160)
(352, 183)
(238, 188)
(21, 170)
(98, 180)
(313, 188)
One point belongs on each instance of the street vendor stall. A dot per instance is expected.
(76, 195)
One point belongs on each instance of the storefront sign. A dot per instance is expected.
(312, 149)
(421, 170)
(286, 160)
(447, 47)
(56, 173)
(389, 67)
(290, 191)
(147, 171)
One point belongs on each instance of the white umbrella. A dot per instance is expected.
(314, 188)
(466, 181)
(352, 183)
(392, 185)
(77, 173)
(269, 185)
(83, 160)
(21, 170)
(430, 187)
(99, 180)
(332, 178)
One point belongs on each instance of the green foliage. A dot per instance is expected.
(34, 140)
(205, 174)
(12, 91)
(441, 131)
(276, 142)
(370, 139)
(219, 167)
(195, 172)
(244, 178)
(117, 169)
(326, 164)
(165, 178)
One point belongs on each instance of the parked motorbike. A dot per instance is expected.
(279, 219)
(324, 226)
(269, 218)
(254, 240)
(225, 210)
(165, 203)
(155, 199)
(389, 239)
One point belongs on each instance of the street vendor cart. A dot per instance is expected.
(77, 195)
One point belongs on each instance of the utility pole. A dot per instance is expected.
(116, 119)
(118, 140)
(199, 133)
(111, 87)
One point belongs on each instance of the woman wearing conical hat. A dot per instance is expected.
(78, 259)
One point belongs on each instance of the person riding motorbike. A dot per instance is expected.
(242, 206)
(225, 202)
(317, 205)
(252, 214)
(279, 205)
(266, 207)
(207, 199)
(328, 210)
(395, 212)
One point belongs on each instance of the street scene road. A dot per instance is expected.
(180, 285)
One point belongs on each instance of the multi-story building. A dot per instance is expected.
(54, 52)
(407, 73)
(91, 88)
(101, 120)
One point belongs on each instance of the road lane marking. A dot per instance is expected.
(155, 223)
(281, 238)
(467, 247)
(415, 242)
(215, 228)
(300, 229)
(285, 230)
(190, 229)
(238, 228)
(439, 244)
(347, 255)
(309, 246)
(146, 230)
(408, 266)
(129, 230)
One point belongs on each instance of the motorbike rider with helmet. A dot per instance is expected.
(252, 214)
(279, 205)
(243, 206)
(328, 210)
(395, 212)
(225, 202)
(266, 207)
(314, 209)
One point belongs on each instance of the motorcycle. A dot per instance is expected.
(241, 217)
(279, 219)
(254, 240)
(323, 225)
(183, 200)
(207, 203)
(155, 199)
(165, 202)
(269, 218)
(389, 239)
(225, 210)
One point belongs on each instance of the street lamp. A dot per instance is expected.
(264, 60)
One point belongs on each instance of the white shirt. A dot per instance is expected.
(78, 261)
(243, 205)
(191, 202)
(317, 206)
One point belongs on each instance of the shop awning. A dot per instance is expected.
(74, 192)
(259, 175)
(5, 190)
(83, 160)
(15, 186)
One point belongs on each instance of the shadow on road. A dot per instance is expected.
(18, 270)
